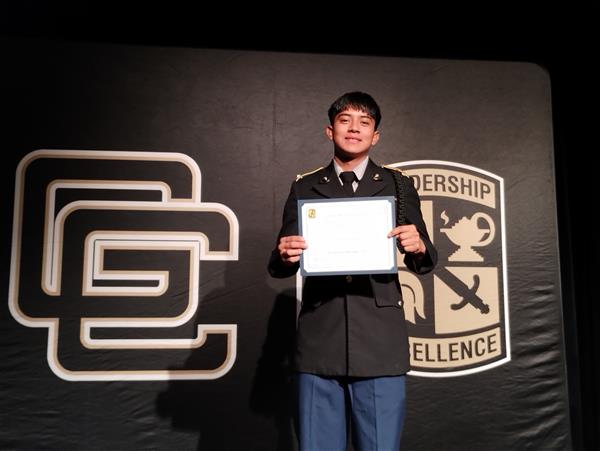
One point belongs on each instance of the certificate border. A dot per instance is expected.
(393, 269)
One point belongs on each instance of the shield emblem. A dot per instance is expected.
(457, 316)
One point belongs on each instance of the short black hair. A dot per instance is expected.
(356, 100)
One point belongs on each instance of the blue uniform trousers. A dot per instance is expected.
(376, 407)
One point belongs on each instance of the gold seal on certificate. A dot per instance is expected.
(347, 236)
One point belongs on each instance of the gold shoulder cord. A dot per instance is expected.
(299, 176)
(392, 168)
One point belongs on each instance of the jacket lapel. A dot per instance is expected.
(373, 182)
(328, 184)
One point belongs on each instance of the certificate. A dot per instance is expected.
(347, 236)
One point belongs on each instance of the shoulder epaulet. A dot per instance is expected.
(299, 176)
(392, 168)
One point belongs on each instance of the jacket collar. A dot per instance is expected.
(374, 181)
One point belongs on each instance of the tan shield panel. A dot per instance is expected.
(458, 314)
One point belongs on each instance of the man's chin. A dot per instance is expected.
(345, 156)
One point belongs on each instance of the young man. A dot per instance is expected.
(351, 342)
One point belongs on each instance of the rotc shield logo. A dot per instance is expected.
(457, 316)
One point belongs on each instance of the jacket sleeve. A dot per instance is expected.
(289, 226)
(420, 264)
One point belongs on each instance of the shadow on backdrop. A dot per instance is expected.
(205, 409)
(271, 393)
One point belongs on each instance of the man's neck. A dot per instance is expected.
(349, 165)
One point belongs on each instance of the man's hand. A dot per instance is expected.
(290, 248)
(409, 238)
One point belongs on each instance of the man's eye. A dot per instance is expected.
(365, 123)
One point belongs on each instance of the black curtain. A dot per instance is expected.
(566, 57)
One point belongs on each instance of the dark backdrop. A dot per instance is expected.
(544, 41)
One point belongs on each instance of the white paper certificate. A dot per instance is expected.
(347, 236)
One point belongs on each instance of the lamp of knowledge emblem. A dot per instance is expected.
(457, 316)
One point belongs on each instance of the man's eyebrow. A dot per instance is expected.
(362, 116)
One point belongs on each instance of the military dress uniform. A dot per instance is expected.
(351, 339)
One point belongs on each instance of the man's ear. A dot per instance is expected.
(329, 132)
(375, 138)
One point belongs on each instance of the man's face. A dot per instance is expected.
(353, 133)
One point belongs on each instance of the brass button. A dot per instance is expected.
(400, 303)
(349, 279)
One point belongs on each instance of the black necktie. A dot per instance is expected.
(347, 178)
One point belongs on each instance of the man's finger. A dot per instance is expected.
(293, 243)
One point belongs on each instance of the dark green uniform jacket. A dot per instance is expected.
(352, 326)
